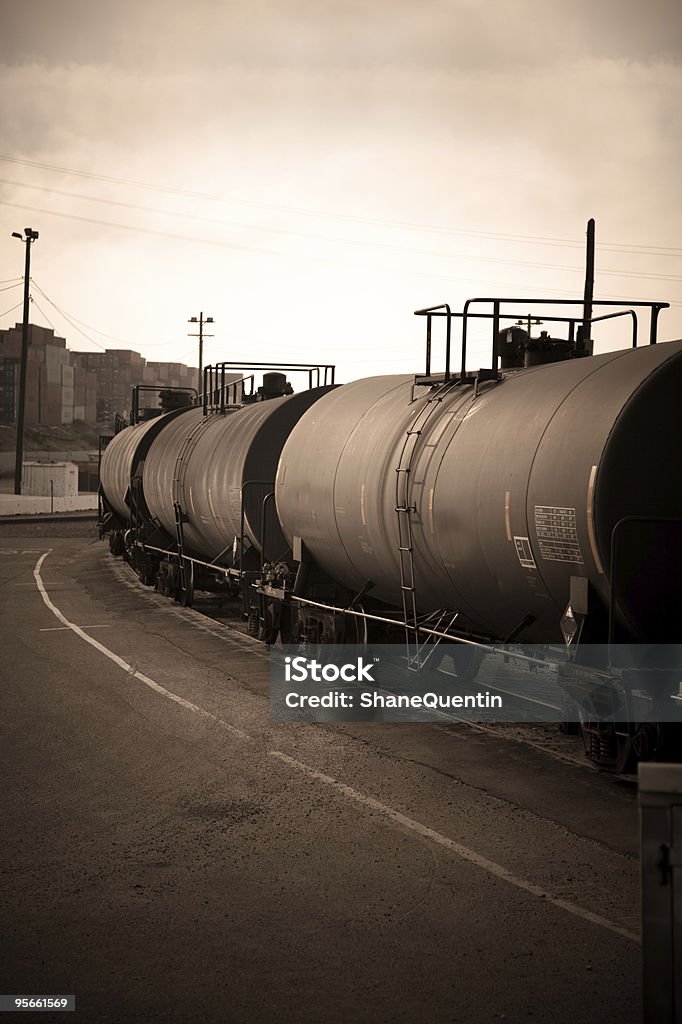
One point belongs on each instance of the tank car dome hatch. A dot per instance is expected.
(516, 348)
(274, 385)
(173, 398)
(542, 350)
(511, 345)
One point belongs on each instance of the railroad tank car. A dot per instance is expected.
(512, 490)
(536, 503)
(219, 468)
(120, 469)
(185, 494)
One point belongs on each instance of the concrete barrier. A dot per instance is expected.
(26, 504)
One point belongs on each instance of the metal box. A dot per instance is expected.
(57, 479)
(660, 803)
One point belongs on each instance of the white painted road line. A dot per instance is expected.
(396, 817)
(130, 669)
(457, 848)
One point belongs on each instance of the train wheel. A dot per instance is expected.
(647, 741)
(269, 626)
(570, 714)
(116, 544)
(358, 632)
(186, 594)
(466, 661)
(163, 580)
(253, 620)
(148, 574)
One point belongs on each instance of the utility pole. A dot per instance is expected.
(201, 321)
(31, 236)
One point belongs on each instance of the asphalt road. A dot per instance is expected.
(168, 854)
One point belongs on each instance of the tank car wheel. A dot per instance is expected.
(116, 544)
(174, 583)
(269, 626)
(647, 741)
(186, 593)
(163, 580)
(253, 620)
(570, 713)
(359, 630)
(148, 573)
(466, 661)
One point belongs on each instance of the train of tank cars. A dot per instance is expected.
(536, 501)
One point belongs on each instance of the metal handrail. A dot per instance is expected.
(444, 310)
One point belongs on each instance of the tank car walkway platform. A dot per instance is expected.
(170, 855)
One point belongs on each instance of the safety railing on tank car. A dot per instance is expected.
(497, 316)
(217, 389)
(171, 391)
(219, 393)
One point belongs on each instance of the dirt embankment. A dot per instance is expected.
(75, 437)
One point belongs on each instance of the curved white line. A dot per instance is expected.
(464, 852)
(457, 848)
(129, 669)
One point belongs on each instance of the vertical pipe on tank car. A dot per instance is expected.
(496, 331)
(465, 324)
(653, 328)
(589, 288)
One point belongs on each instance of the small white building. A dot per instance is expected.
(50, 479)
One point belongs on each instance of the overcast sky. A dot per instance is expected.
(309, 173)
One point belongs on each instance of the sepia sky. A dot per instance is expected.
(309, 173)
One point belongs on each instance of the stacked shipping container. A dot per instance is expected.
(64, 387)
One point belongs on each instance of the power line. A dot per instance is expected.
(111, 337)
(271, 252)
(211, 197)
(8, 311)
(67, 318)
(9, 287)
(141, 230)
(74, 320)
(43, 313)
(334, 241)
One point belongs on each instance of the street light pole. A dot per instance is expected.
(200, 320)
(31, 236)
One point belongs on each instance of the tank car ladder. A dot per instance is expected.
(404, 512)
